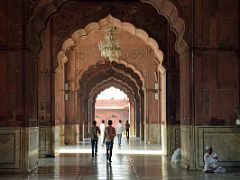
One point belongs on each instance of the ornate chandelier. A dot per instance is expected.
(110, 48)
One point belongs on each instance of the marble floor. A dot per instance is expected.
(133, 160)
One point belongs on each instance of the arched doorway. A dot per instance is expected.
(72, 49)
(67, 48)
(75, 57)
(125, 103)
(107, 75)
(113, 104)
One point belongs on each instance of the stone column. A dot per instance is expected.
(187, 134)
(132, 119)
(137, 118)
(85, 120)
(70, 99)
(142, 118)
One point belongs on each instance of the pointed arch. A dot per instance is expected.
(44, 10)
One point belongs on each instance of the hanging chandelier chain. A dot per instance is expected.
(110, 48)
(110, 7)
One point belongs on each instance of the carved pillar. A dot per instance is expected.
(142, 118)
(80, 116)
(187, 128)
(93, 110)
(90, 114)
(137, 118)
(70, 99)
(85, 120)
(132, 119)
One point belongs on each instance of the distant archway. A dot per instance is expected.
(173, 17)
(111, 75)
(112, 82)
(112, 104)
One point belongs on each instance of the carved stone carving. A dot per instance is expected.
(135, 54)
(86, 53)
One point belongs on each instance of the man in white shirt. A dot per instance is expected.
(210, 162)
(102, 129)
(119, 131)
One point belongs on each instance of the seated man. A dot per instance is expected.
(210, 161)
(176, 157)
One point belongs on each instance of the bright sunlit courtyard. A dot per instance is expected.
(131, 146)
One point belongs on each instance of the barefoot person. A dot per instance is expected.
(102, 129)
(210, 161)
(110, 133)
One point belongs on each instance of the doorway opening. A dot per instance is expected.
(112, 103)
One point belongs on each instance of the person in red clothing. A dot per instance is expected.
(110, 134)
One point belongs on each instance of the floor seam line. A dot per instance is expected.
(134, 169)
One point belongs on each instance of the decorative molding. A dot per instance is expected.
(106, 70)
(44, 10)
(218, 137)
(43, 134)
(101, 25)
(10, 148)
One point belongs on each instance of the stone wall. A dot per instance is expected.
(225, 142)
(216, 61)
(11, 149)
(173, 138)
(18, 93)
(209, 80)
(18, 149)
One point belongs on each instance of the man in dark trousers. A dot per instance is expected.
(94, 132)
(127, 126)
(110, 133)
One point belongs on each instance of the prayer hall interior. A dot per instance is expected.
(179, 65)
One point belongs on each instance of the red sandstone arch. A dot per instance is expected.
(164, 7)
(115, 83)
(47, 8)
(112, 82)
(98, 77)
(100, 69)
(97, 26)
(103, 23)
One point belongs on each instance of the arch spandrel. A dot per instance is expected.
(177, 24)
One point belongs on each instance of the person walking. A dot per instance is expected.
(102, 129)
(110, 133)
(127, 126)
(119, 131)
(94, 132)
